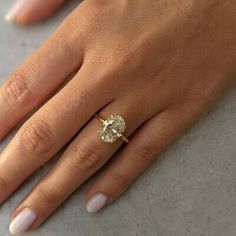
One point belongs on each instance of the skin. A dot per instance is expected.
(37, 10)
(160, 64)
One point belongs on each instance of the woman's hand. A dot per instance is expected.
(160, 64)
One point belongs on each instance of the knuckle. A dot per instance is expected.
(36, 136)
(196, 94)
(122, 182)
(84, 158)
(48, 195)
(198, 98)
(4, 185)
(145, 152)
(16, 89)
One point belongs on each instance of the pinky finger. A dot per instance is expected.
(146, 144)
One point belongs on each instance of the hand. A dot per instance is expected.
(159, 64)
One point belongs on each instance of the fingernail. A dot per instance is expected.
(97, 202)
(16, 8)
(22, 221)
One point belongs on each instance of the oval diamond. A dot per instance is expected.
(112, 128)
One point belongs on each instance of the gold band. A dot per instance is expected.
(99, 118)
(119, 135)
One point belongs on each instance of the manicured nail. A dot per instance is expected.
(96, 203)
(16, 8)
(22, 221)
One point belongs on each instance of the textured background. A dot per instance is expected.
(190, 191)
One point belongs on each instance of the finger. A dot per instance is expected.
(145, 146)
(38, 77)
(48, 130)
(30, 11)
(85, 155)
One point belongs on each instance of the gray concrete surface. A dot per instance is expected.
(191, 191)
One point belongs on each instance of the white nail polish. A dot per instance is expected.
(16, 8)
(97, 202)
(22, 222)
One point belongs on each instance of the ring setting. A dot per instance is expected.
(112, 128)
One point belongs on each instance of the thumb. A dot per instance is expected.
(30, 11)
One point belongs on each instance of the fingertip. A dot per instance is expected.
(14, 10)
(22, 221)
(26, 12)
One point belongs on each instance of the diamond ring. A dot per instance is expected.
(112, 128)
